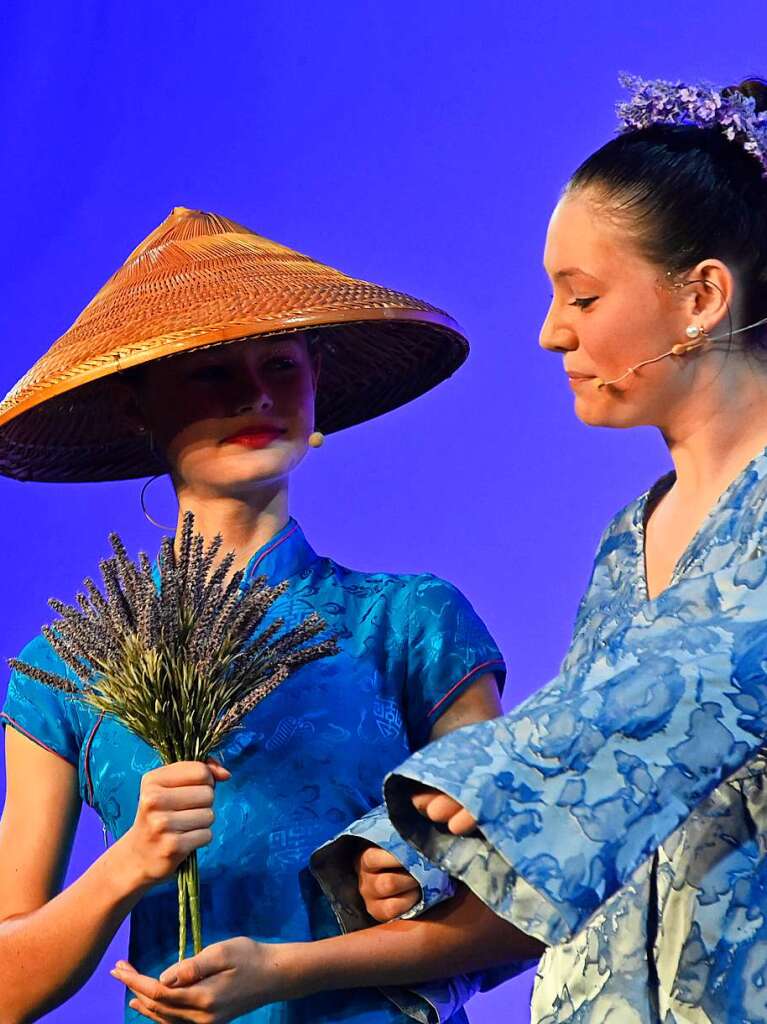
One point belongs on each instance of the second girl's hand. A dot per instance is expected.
(234, 977)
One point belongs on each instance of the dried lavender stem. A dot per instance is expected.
(176, 662)
(181, 881)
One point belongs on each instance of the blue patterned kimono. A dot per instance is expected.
(623, 808)
(310, 759)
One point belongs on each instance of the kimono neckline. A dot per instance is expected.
(702, 538)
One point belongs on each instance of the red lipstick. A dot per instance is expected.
(255, 437)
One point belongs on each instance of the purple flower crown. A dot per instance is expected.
(702, 106)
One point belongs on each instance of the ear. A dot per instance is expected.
(710, 291)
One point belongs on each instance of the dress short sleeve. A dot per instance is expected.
(449, 648)
(39, 712)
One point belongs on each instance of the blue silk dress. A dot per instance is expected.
(623, 808)
(309, 760)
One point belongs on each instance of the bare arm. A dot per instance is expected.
(239, 975)
(453, 938)
(67, 932)
(458, 936)
(476, 704)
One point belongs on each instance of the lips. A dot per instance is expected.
(255, 437)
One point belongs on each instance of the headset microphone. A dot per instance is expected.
(698, 339)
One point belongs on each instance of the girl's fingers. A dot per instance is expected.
(139, 1007)
(220, 773)
(195, 839)
(387, 910)
(393, 883)
(154, 995)
(187, 798)
(462, 823)
(423, 798)
(445, 810)
(193, 820)
(190, 972)
(373, 859)
(442, 808)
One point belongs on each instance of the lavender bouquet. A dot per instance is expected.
(177, 661)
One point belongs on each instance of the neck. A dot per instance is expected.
(716, 437)
(245, 523)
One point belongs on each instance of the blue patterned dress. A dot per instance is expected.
(623, 808)
(310, 759)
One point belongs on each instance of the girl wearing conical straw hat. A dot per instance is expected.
(218, 356)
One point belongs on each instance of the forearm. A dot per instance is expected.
(454, 938)
(49, 953)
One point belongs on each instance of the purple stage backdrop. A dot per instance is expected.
(419, 145)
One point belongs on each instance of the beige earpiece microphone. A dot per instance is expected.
(698, 339)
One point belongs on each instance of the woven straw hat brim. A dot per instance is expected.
(201, 280)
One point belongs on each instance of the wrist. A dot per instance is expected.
(125, 870)
(303, 968)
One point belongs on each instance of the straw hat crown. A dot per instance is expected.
(200, 279)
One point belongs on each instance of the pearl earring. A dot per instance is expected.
(693, 332)
(316, 439)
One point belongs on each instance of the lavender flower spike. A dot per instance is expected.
(702, 106)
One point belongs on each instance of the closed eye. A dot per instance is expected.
(211, 372)
(583, 303)
(281, 363)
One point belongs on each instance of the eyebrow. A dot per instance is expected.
(572, 272)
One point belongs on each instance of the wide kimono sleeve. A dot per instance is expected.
(578, 786)
(42, 714)
(448, 649)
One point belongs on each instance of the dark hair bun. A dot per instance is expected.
(691, 193)
(755, 88)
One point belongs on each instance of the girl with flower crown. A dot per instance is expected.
(618, 815)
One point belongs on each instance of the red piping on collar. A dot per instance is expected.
(269, 550)
(477, 668)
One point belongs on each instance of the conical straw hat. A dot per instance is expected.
(200, 279)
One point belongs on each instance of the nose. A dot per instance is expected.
(253, 392)
(556, 336)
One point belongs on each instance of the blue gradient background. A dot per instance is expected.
(419, 145)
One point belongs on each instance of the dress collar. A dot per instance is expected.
(285, 555)
(730, 530)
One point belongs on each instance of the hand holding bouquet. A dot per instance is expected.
(176, 656)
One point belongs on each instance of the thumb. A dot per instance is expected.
(191, 971)
(220, 774)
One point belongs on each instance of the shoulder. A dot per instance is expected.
(418, 599)
(39, 654)
(389, 585)
(628, 519)
(624, 520)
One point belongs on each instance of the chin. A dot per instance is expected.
(596, 414)
(245, 470)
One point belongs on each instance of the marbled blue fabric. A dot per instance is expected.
(332, 866)
(622, 808)
(310, 759)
